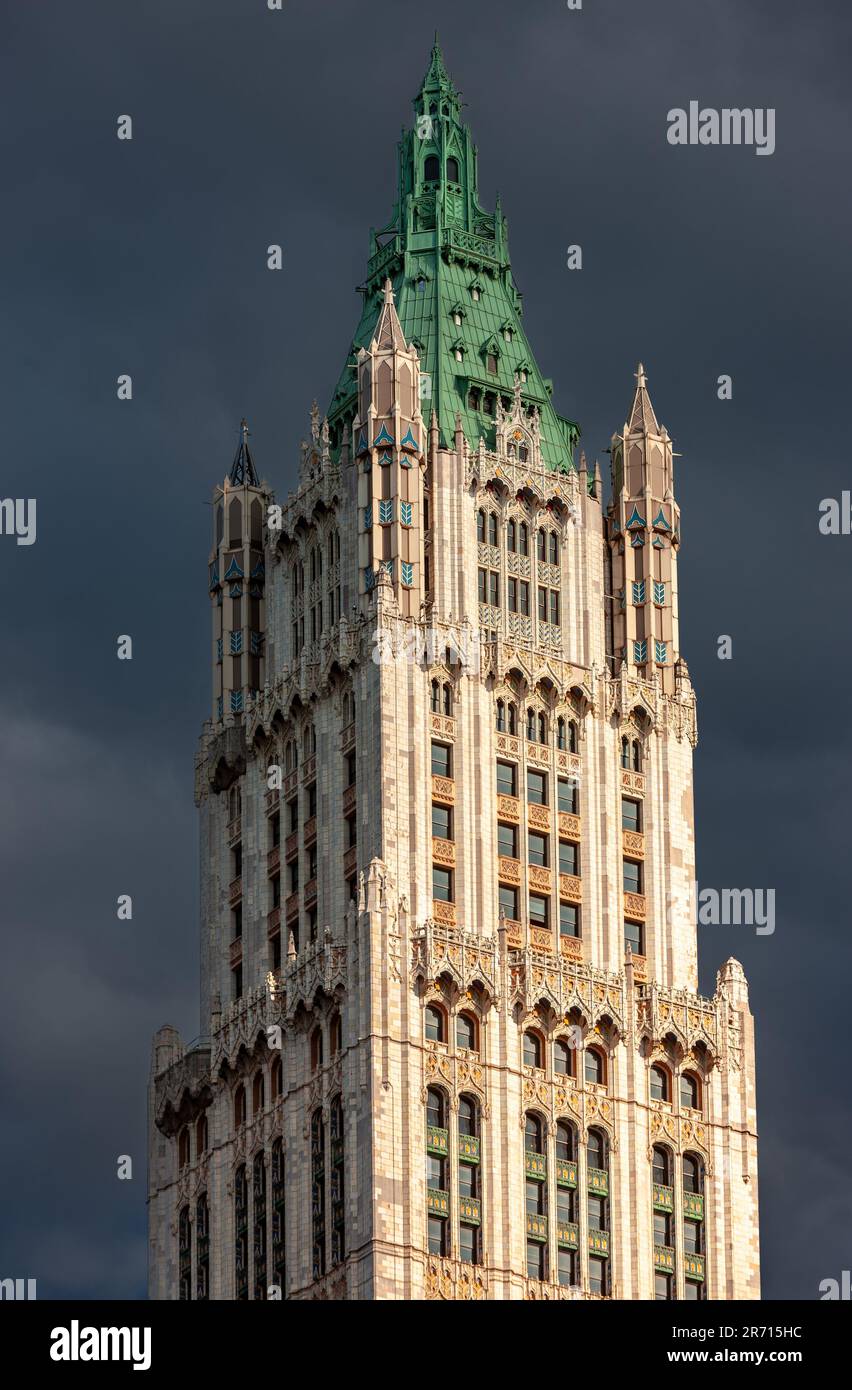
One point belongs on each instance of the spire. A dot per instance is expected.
(389, 332)
(243, 472)
(438, 82)
(642, 415)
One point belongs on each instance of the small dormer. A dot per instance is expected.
(490, 351)
(457, 314)
(458, 350)
(476, 290)
(507, 332)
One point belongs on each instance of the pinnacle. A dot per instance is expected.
(642, 415)
(389, 332)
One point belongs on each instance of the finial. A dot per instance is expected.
(388, 288)
(641, 379)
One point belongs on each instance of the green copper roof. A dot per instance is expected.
(446, 256)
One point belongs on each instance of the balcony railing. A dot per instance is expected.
(437, 1201)
(508, 870)
(443, 912)
(540, 879)
(443, 851)
(598, 1180)
(571, 946)
(570, 888)
(443, 790)
(436, 1140)
(535, 1165)
(635, 905)
(349, 799)
(599, 1242)
(468, 1148)
(693, 1205)
(693, 1266)
(235, 890)
(273, 860)
(508, 809)
(663, 1197)
(310, 831)
(469, 1210)
(567, 1234)
(291, 908)
(566, 1173)
(350, 861)
(310, 892)
(633, 843)
(664, 1258)
(538, 817)
(291, 846)
(569, 825)
(536, 1226)
(273, 921)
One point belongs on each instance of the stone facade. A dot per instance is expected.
(452, 1045)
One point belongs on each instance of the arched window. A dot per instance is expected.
(660, 1086)
(693, 1174)
(183, 1148)
(542, 728)
(492, 528)
(511, 535)
(662, 1166)
(535, 1187)
(595, 1066)
(316, 1049)
(690, 1092)
(202, 1248)
(201, 1136)
(432, 169)
(184, 1256)
(318, 1193)
(513, 719)
(279, 1267)
(597, 1149)
(241, 1272)
(338, 1184)
(572, 736)
(239, 1106)
(532, 1050)
(530, 726)
(336, 1035)
(533, 1135)
(625, 753)
(560, 732)
(553, 549)
(542, 545)
(436, 697)
(420, 284)
(275, 1077)
(259, 1223)
(501, 716)
(257, 1098)
(470, 1206)
(437, 1177)
(435, 1024)
(637, 756)
(480, 526)
(448, 700)
(466, 1032)
(566, 1142)
(453, 170)
(523, 539)
(563, 1057)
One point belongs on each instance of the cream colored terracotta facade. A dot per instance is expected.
(358, 948)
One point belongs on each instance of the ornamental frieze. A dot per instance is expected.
(453, 1279)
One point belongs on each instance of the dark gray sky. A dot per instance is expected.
(148, 257)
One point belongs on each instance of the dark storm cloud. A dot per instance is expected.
(149, 258)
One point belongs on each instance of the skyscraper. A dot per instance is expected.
(452, 1041)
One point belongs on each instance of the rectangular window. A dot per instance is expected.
(542, 605)
(441, 760)
(536, 787)
(312, 800)
(351, 832)
(692, 1292)
(494, 588)
(483, 589)
(436, 1172)
(237, 978)
(662, 1287)
(524, 598)
(294, 876)
(634, 937)
(535, 1197)
(631, 815)
(509, 902)
(507, 779)
(536, 1260)
(663, 1228)
(507, 841)
(569, 919)
(632, 876)
(312, 862)
(539, 910)
(598, 1275)
(237, 922)
(275, 830)
(568, 1267)
(537, 849)
(512, 595)
(569, 796)
(442, 822)
(442, 884)
(351, 768)
(692, 1237)
(469, 1244)
(437, 1235)
(292, 815)
(554, 607)
(569, 858)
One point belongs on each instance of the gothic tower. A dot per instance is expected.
(451, 1041)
